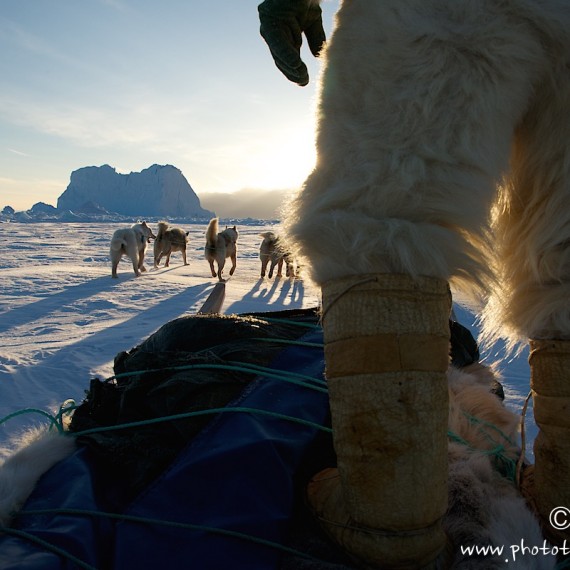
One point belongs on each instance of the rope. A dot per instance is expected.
(476, 420)
(287, 321)
(239, 367)
(209, 411)
(47, 546)
(343, 293)
(56, 420)
(52, 419)
(175, 524)
(264, 369)
(293, 342)
(520, 462)
(302, 380)
(65, 410)
(509, 465)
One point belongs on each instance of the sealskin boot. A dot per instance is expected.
(547, 486)
(386, 355)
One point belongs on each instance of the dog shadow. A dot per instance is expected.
(164, 269)
(37, 309)
(291, 295)
(100, 347)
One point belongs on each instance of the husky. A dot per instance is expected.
(219, 246)
(168, 240)
(273, 252)
(131, 242)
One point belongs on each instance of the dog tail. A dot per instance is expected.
(212, 233)
(162, 227)
(118, 242)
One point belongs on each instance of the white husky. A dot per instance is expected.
(219, 246)
(131, 242)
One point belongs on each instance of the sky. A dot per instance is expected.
(131, 83)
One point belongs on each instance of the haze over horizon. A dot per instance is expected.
(134, 83)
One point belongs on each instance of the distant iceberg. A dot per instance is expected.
(156, 192)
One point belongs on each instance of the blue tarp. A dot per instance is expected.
(237, 475)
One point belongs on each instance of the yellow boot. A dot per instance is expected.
(386, 354)
(550, 489)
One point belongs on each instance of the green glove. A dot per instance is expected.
(282, 24)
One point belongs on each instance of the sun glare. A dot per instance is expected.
(284, 162)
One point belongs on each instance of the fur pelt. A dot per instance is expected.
(419, 105)
(485, 507)
(220, 246)
(167, 241)
(25, 460)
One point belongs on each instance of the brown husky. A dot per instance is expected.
(168, 240)
(219, 246)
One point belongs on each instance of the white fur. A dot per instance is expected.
(532, 223)
(35, 453)
(419, 104)
(220, 246)
(485, 508)
(168, 240)
(131, 242)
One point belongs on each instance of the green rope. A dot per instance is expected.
(233, 366)
(476, 420)
(65, 410)
(56, 421)
(175, 524)
(47, 546)
(457, 439)
(265, 369)
(210, 411)
(288, 322)
(52, 419)
(294, 378)
(509, 466)
(504, 464)
(294, 342)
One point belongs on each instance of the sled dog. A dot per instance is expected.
(219, 246)
(273, 253)
(167, 241)
(131, 242)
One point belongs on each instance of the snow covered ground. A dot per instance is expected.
(63, 318)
